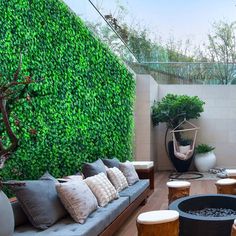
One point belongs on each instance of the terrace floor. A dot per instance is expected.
(159, 199)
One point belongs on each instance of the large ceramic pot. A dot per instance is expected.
(205, 161)
(180, 165)
(6, 216)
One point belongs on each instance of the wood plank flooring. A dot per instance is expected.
(159, 200)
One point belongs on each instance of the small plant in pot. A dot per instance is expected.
(172, 110)
(205, 158)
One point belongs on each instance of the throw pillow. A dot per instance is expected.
(78, 199)
(74, 177)
(102, 188)
(110, 163)
(39, 201)
(19, 215)
(117, 178)
(94, 168)
(129, 172)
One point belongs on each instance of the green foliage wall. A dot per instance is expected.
(86, 107)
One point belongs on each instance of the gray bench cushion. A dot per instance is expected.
(95, 223)
(135, 190)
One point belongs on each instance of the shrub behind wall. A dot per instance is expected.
(84, 107)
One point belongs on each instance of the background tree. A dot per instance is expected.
(218, 55)
(179, 50)
(143, 43)
(222, 51)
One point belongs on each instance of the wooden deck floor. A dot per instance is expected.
(159, 200)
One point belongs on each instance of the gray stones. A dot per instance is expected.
(213, 212)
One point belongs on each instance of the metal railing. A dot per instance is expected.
(192, 72)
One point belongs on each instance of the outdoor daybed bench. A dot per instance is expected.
(105, 221)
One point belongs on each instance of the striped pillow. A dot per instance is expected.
(117, 178)
(102, 188)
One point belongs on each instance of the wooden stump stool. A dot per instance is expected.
(226, 186)
(231, 173)
(178, 189)
(158, 223)
(233, 230)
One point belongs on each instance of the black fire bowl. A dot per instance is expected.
(193, 225)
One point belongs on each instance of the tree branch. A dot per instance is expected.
(10, 92)
(16, 74)
(10, 133)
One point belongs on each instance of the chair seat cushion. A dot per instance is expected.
(157, 217)
(142, 164)
(231, 172)
(135, 190)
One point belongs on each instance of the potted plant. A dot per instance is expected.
(172, 110)
(205, 158)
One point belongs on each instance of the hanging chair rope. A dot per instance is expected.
(189, 153)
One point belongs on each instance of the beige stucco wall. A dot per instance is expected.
(146, 93)
(217, 122)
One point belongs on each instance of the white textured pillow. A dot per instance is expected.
(129, 172)
(117, 178)
(78, 199)
(102, 189)
(74, 177)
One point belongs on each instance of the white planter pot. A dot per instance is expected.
(205, 161)
(6, 216)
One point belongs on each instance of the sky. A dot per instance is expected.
(182, 19)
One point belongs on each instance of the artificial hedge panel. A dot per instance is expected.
(84, 106)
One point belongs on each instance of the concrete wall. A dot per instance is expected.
(217, 122)
(146, 93)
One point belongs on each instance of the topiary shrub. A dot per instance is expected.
(173, 109)
(84, 107)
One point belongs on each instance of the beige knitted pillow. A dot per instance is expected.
(78, 199)
(102, 189)
(129, 172)
(117, 178)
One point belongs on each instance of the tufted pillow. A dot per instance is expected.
(117, 178)
(129, 172)
(102, 189)
(110, 163)
(39, 201)
(94, 168)
(78, 199)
